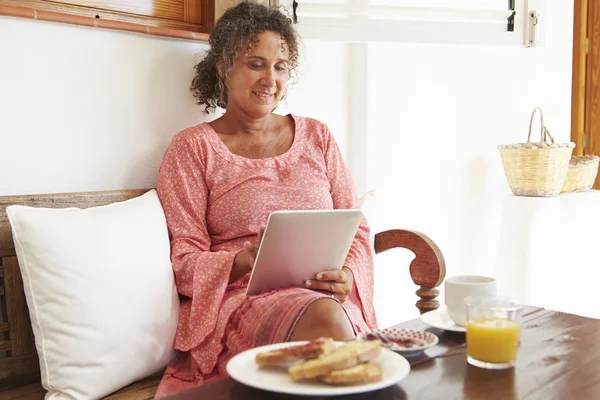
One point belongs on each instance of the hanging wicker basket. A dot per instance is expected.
(536, 168)
(581, 174)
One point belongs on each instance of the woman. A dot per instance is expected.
(219, 182)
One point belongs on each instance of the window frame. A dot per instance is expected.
(106, 18)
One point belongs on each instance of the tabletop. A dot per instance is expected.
(558, 358)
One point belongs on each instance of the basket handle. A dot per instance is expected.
(545, 133)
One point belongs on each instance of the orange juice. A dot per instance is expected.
(493, 340)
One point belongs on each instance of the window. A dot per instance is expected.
(498, 22)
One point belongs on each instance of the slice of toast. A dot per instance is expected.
(312, 349)
(362, 373)
(365, 350)
(345, 356)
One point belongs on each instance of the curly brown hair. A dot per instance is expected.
(238, 25)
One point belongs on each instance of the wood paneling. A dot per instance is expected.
(585, 99)
(592, 98)
(141, 390)
(33, 391)
(578, 81)
(11, 368)
(193, 11)
(21, 337)
(93, 22)
(186, 19)
(158, 16)
(5, 346)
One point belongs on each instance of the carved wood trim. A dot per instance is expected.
(8, 8)
(427, 270)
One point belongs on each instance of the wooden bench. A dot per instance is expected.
(19, 367)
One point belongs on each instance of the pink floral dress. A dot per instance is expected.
(215, 200)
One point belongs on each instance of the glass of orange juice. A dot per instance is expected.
(493, 329)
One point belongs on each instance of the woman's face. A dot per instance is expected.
(257, 81)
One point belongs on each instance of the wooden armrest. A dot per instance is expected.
(427, 270)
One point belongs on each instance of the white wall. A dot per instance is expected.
(84, 109)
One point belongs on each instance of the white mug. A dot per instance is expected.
(461, 286)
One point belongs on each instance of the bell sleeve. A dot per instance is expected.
(201, 275)
(360, 257)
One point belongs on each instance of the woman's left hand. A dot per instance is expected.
(338, 281)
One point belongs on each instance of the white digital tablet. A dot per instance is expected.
(297, 245)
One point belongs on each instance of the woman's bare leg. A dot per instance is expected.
(323, 318)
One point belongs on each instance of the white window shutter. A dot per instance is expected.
(483, 22)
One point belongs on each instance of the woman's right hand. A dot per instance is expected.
(244, 260)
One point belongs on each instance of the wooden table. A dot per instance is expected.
(559, 358)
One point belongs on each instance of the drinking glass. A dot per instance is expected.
(493, 329)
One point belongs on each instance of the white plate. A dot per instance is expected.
(440, 319)
(394, 339)
(243, 369)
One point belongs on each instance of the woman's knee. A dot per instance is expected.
(327, 312)
(324, 317)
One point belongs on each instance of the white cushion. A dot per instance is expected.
(101, 293)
